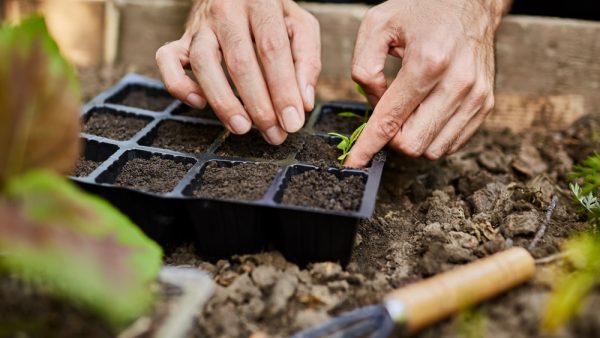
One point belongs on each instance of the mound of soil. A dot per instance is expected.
(157, 174)
(113, 126)
(186, 137)
(330, 122)
(252, 145)
(244, 181)
(144, 98)
(85, 167)
(317, 150)
(185, 110)
(321, 189)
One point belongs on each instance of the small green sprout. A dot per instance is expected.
(347, 142)
(364, 117)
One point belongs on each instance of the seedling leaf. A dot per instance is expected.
(350, 114)
(78, 245)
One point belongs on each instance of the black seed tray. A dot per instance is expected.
(218, 227)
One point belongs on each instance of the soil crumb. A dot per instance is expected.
(317, 150)
(185, 110)
(113, 126)
(253, 146)
(85, 167)
(244, 181)
(321, 189)
(142, 97)
(156, 174)
(186, 137)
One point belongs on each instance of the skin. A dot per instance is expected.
(444, 89)
(272, 52)
(435, 104)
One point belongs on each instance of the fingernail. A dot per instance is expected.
(275, 135)
(310, 96)
(196, 101)
(291, 119)
(239, 125)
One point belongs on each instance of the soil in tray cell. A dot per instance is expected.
(322, 189)
(244, 181)
(330, 121)
(186, 137)
(85, 167)
(156, 174)
(252, 145)
(107, 124)
(317, 150)
(185, 110)
(142, 97)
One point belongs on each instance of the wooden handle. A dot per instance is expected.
(438, 297)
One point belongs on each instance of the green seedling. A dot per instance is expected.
(346, 142)
(365, 116)
(589, 173)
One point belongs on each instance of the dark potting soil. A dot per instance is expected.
(150, 99)
(114, 126)
(186, 137)
(185, 110)
(85, 167)
(331, 122)
(317, 150)
(252, 145)
(321, 189)
(156, 174)
(244, 181)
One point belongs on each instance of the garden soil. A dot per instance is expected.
(430, 217)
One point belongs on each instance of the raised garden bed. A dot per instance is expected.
(181, 177)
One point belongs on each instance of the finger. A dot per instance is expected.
(473, 125)
(457, 123)
(171, 59)
(274, 50)
(406, 92)
(205, 62)
(370, 52)
(238, 52)
(428, 120)
(305, 38)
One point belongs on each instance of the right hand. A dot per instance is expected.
(276, 84)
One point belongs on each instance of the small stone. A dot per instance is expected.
(529, 161)
(326, 271)
(339, 285)
(434, 231)
(524, 223)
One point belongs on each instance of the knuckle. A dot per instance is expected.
(239, 62)
(272, 44)
(367, 78)
(262, 116)
(433, 60)
(221, 105)
(480, 94)
(314, 63)
(465, 84)
(387, 128)
(218, 9)
(434, 154)
(489, 104)
(410, 149)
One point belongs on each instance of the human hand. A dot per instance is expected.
(444, 89)
(276, 83)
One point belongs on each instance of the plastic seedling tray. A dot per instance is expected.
(154, 159)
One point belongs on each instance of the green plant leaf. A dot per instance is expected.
(357, 133)
(351, 114)
(573, 287)
(342, 157)
(359, 89)
(39, 102)
(78, 245)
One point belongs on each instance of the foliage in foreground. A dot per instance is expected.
(51, 233)
(583, 253)
(589, 173)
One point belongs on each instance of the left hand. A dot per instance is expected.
(444, 89)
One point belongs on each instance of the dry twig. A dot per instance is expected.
(542, 229)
